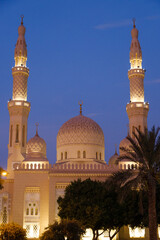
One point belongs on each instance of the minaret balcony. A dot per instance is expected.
(13, 103)
(136, 71)
(137, 108)
(138, 105)
(20, 69)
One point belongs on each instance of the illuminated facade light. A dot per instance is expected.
(136, 232)
(3, 173)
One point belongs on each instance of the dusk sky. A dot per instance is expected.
(79, 50)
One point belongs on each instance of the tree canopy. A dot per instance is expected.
(12, 231)
(66, 229)
(91, 204)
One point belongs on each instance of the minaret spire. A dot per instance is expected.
(137, 109)
(22, 16)
(20, 54)
(18, 107)
(135, 49)
(134, 21)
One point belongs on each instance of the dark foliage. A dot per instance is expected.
(66, 229)
(93, 205)
(144, 150)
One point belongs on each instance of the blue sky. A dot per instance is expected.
(79, 50)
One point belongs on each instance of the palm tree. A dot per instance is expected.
(144, 150)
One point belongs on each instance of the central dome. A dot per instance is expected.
(80, 139)
(80, 130)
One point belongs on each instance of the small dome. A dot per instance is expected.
(125, 143)
(113, 159)
(36, 146)
(80, 130)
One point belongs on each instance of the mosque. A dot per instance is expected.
(32, 186)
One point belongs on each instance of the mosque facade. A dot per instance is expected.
(32, 186)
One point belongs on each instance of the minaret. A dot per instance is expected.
(137, 109)
(18, 107)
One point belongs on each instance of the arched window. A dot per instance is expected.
(96, 155)
(61, 156)
(27, 211)
(31, 211)
(65, 155)
(36, 211)
(23, 136)
(11, 133)
(128, 166)
(78, 154)
(84, 154)
(133, 131)
(17, 133)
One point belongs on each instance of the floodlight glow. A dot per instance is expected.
(136, 232)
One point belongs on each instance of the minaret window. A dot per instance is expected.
(78, 154)
(139, 128)
(84, 154)
(65, 154)
(96, 155)
(11, 133)
(61, 156)
(23, 136)
(17, 133)
(100, 156)
(133, 131)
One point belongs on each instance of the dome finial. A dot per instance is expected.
(22, 16)
(134, 20)
(37, 124)
(80, 104)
